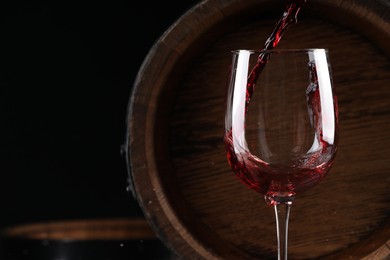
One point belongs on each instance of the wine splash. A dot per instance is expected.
(280, 180)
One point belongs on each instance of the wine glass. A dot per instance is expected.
(281, 125)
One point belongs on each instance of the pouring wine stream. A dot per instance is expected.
(282, 208)
(289, 17)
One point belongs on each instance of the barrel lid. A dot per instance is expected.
(176, 156)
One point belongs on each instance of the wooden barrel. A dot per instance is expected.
(82, 239)
(176, 155)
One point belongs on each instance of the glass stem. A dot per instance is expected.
(282, 214)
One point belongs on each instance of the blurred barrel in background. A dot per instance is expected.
(83, 239)
(176, 155)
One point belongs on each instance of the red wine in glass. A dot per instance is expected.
(278, 180)
(285, 142)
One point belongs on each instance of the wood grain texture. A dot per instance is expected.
(175, 127)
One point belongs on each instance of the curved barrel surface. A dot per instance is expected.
(176, 154)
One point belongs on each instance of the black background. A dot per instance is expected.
(66, 75)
